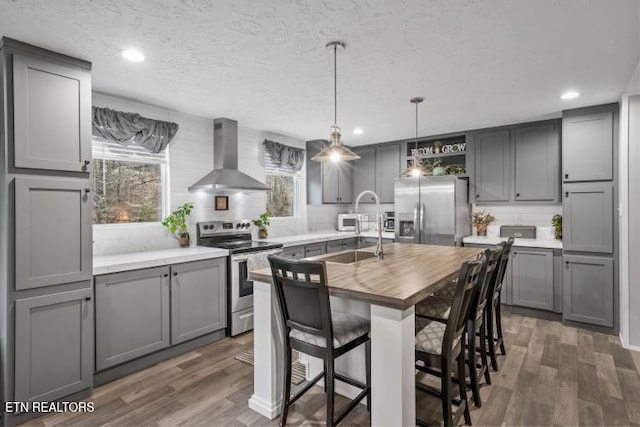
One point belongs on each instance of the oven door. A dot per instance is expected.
(241, 288)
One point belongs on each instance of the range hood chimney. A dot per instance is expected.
(225, 176)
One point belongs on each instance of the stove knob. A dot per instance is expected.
(206, 227)
(238, 225)
(246, 225)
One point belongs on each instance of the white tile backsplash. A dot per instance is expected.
(190, 158)
(538, 216)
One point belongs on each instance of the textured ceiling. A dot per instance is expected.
(263, 62)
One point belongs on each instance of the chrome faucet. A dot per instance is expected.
(379, 253)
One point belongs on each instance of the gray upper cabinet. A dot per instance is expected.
(588, 290)
(53, 345)
(337, 182)
(53, 231)
(51, 113)
(587, 145)
(588, 217)
(364, 173)
(387, 170)
(132, 315)
(376, 170)
(198, 299)
(492, 176)
(537, 162)
(532, 278)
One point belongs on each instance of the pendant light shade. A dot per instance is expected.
(416, 168)
(335, 151)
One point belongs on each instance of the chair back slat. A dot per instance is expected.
(487, 280)
(468, 279)
(502, 269)
(303, 295)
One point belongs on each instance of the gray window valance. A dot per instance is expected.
(283, 157)
(132, 129)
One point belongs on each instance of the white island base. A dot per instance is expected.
(392, 359)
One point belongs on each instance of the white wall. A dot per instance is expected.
(190, 158)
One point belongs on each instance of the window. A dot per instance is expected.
(128, 183)
(282, 200)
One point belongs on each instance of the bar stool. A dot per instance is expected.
(438, 345)
(494, 312)
(311, 327)
(437, 308)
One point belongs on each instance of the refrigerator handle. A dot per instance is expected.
(422, 224)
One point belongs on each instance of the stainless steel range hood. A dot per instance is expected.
(225, 176)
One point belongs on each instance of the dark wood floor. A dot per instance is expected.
(552, 375)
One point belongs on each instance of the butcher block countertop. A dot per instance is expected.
(406, 275)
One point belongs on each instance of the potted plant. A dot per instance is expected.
(481, 219)
(556, 221)
(262, 222)
(176, 223)
(437, 169)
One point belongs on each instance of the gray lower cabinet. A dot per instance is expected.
(337, 182)
(588, 289)
(198, 298)
(293, 252)
(537, 162)
(341, 245)
(315, 249)
(532, 278)
(53, 345)
(51, 110)
(588, 217)
(587, 144)
(492, 161)
(132, 315)
(53, 231)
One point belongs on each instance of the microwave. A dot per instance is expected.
(347, 222)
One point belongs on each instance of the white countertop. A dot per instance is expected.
(136, 260)
(530, 243)
(323, 236)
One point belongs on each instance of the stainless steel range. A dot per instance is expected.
(244, 255)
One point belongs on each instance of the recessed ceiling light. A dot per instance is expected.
(133, 55)
(358, 131)
(570, 95)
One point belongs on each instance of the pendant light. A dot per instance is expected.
(416, 169)
(335, 151)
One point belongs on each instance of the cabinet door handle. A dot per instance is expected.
(87, 162)
(566, 175)
(87, 298)
(566, 194)
(175, 273)
(515, 253)
(517, 194)
(477, 196)
(166, 274)
(87, 190)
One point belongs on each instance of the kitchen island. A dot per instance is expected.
(389, 289)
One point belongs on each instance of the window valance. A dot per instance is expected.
(282, 158)
(130, 129)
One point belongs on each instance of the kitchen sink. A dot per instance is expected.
(349, 257)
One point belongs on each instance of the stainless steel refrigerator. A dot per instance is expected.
(432, 210)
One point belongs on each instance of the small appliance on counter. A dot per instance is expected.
(518, 231)
(389, 221)
(347, 222)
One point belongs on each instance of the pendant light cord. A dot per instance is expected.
(335, 85)
(416, 144)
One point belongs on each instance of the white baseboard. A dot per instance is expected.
(263, 407)
(628, 346)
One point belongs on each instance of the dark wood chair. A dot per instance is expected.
(311, 327)
(438, 345)
(437, 308)
(494, 312)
